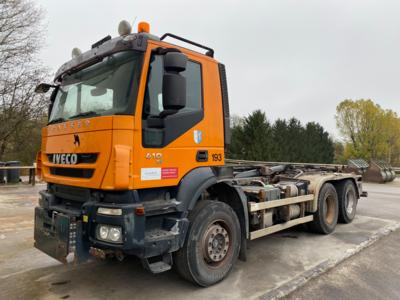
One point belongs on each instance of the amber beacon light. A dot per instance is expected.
(144, 27)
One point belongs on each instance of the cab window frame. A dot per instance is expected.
(197, 113)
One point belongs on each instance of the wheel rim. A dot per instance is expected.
(350, 200)
(216, 243)
(329, 209)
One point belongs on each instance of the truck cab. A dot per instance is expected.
(128, 120)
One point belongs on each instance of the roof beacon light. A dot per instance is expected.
(124, 28)
(76, 52)
(144, 27)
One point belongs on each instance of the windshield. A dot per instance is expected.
(105, 88)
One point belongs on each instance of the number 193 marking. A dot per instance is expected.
(216, 157)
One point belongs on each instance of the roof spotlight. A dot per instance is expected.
(76, 52)
(124, 28)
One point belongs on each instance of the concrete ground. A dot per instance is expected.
(372, 274)
(276, 264)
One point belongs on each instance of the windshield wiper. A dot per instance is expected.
(84, 114)
(57, 120)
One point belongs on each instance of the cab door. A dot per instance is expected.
(172, 143)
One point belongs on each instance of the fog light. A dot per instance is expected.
(103, 232)
(109, 233)
(109, 211)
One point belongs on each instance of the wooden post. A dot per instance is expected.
(32, 176)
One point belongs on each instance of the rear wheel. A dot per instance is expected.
(347, 201)
(212, 244)
(326, 216)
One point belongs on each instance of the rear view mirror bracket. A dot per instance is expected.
(43, 88)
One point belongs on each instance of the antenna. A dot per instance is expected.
(134, 21)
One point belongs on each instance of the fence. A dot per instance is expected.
(32, 171)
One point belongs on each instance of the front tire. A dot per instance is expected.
(347, 201)
(326, 216)
(212, 244)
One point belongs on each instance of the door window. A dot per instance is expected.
(159, 130)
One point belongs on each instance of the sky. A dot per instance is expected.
(289, 58)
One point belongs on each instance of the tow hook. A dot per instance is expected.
(98, 253)
(103, 254)
(119, 255)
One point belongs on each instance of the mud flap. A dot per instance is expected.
(52, 234)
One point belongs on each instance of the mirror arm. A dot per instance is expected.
(43, 88)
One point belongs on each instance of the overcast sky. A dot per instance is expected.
(288, 58)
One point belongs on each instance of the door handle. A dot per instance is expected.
(202, 155)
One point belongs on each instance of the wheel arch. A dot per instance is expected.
(336, 183)
(192, 186)
(225, 192)
(202, 182)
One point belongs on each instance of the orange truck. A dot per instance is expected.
(134, 160)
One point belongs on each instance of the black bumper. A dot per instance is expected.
(60, 230)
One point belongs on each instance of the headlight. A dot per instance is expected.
(115, 234)
(103, 232)
(109, 233)
(109, 211)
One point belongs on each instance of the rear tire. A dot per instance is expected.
(347, 201)
(326, 216)
(212, 244)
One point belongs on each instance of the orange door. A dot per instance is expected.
(167, 146)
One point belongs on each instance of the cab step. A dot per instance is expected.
(158, 266)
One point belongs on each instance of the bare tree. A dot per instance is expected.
(21, 31)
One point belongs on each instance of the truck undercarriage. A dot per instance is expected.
(154, 223)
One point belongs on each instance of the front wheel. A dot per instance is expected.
(212, 244)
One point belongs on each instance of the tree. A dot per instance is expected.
(391, 132)
(20, 33)
(281, 149)
(30, 134)
(339, 153)
(369, 131)
(20, 72)
(250, 138)
(317, 145)
(254, 138)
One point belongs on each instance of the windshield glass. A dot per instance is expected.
(105, 88)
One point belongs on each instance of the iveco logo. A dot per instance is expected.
(77, 142)
(65, 158)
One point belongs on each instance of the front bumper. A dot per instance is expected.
(61, 230)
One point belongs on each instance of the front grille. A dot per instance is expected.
(71, 192)
(72, 172)
(83, 158)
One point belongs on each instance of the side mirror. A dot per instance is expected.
(43, 88)
(174, 84)
(98, 91)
